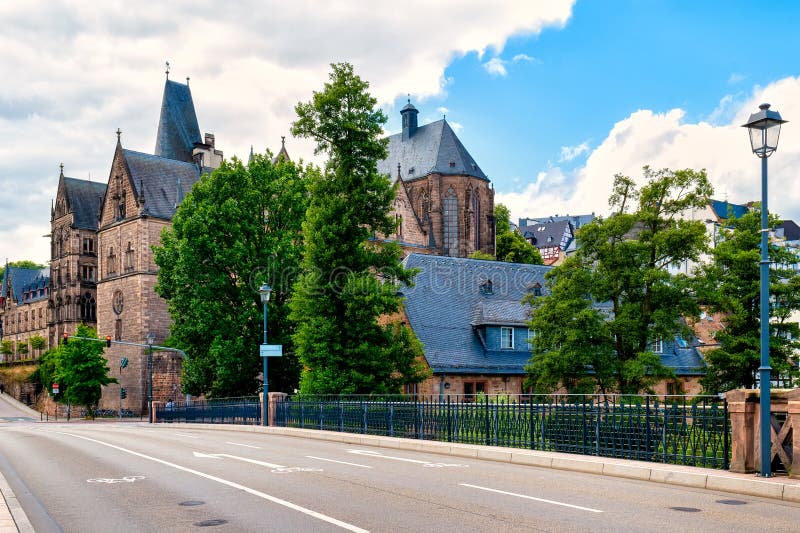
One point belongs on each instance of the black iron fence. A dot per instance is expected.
(686, 430)
(244, 411)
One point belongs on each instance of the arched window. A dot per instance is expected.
(129, 257)
(476, 208)
(88, 308)
(451, 223)
(112, 262)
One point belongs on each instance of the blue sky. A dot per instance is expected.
(552, 98)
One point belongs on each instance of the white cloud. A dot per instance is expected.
(568, 153)
(496, 67)
(523, 57)
(443, 110)
(457, 126)
(73, 72)
(666, 140)
(736, 78)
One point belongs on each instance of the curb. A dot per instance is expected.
(734, 483)
(12, 516)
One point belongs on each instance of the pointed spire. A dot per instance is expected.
(187, 81)
(283, 154)
(61, 174)
(119, 134)
(250, 158)
(167, 70)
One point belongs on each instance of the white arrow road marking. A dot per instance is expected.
(243, 445)
(335, 461)
(257, 493)
(532, 498)
(370, 453)
(245, 459)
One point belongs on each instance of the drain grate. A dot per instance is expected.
(686, 509)
(732, 502)
(191, 503)
(209, 523)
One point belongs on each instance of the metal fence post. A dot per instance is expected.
(363, 417)
(449, 422)
(486, 419)
(647, 438)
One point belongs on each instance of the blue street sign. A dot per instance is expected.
(271, 350)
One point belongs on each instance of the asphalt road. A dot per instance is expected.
(107, 476)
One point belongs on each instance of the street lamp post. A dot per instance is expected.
(765, 128)
(265, 291)
(150, 340)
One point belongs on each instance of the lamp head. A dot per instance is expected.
(764, 128)
(265, 291)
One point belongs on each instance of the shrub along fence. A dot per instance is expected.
(244, 411)
(686, 430)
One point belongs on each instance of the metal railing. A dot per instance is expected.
(686, 430)
(244, 411)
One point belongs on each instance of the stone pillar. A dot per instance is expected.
(742, 407)
(273, 398)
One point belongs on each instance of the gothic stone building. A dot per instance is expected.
(73, 256)
(444, 203)
(142, 195)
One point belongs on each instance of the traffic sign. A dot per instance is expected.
(271, 350)
(55, 388)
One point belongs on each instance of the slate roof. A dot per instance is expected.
(721, 209)
(447, 299)
(430, 149)
(448, 303)
(791, 231)
(548, 234)
(177, 127)
(160, 177)
(23, 279)
(85, 198)
(576, 220)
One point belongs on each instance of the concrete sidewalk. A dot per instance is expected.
(779, 488)
(12, 517)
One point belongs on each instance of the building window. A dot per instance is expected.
(118, 330)
(451, 223)
(506, 338)
(88, 246)
(88, 308)
(471, 388)
(657, 346)
(476, 208)
(129, 258)
(87, 272)
(112, 262)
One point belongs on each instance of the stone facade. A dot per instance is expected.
(23, 312)
(73, 257)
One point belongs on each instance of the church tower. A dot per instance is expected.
(445, 202)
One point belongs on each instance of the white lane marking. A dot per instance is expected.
(532, 498)
(126, 479)
(245, 459)
(189, 436)
(243, 445)
(335, 461)
(263, 495)
(370, 453)
(428, 464)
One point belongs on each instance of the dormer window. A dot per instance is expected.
(486, 287)
(657, 345)
(536, 289)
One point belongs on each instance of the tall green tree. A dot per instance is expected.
(240, 227)
(616, 295)
(731, 285)
(81, 369)
(350, 279)
(511, 246)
